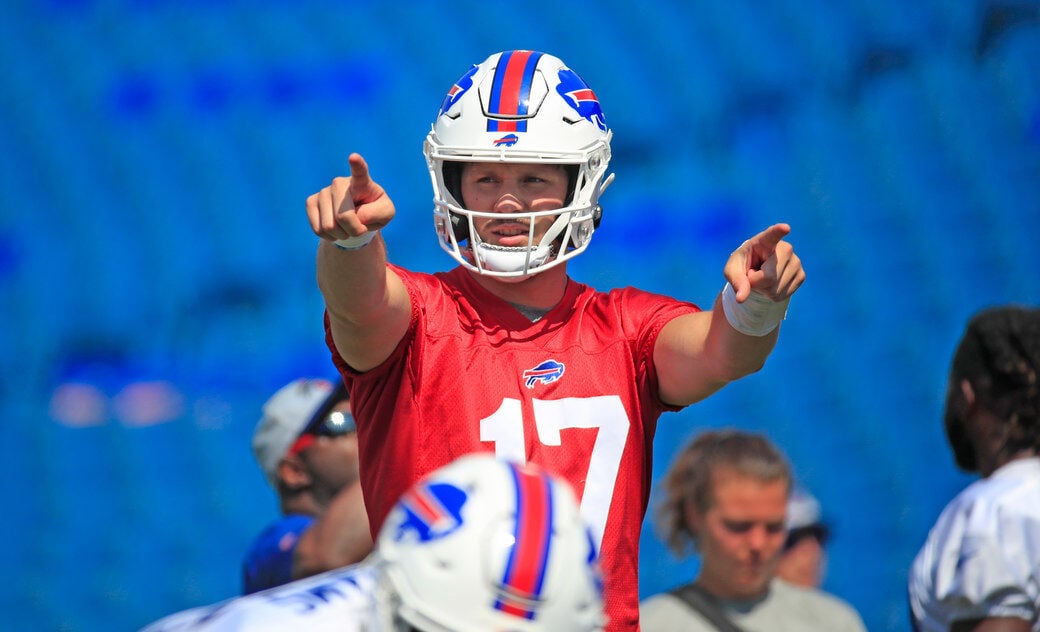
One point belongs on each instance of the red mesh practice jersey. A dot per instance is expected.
(575, 392)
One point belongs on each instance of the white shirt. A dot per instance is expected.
(341, 600)
(783, 608)
(982, 556)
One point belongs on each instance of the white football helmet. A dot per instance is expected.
(486, 545)
(520, 107)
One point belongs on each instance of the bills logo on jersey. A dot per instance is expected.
(460, 88)
(431, 511)
(580, 96)
(507, 141)
(545, 373)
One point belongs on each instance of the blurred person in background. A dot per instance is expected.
(479, 545)
(524, 361)
(979, 568)
(306, 446)
(803, 561)
(726, 497)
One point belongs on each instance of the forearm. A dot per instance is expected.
(734, 353)
(353, 282)
(368, 305)
(339, 537)
(698, 354)
(993, 624)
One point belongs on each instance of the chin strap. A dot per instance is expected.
(554, 231)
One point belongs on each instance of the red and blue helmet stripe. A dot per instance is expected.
(525, 571)
(511, 91)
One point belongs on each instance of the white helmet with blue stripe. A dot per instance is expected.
(486, 544)
(519, 107)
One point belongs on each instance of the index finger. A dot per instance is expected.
(360, 181)
(773, 235)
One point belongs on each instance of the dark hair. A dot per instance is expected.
(999, 355)
(819, 531)
(691, 476)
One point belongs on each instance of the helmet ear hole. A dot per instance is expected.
(451, 172)
(572, 183)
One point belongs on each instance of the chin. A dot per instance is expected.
(515, 280)
(753, 587)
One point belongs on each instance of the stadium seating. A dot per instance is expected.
(156, 270)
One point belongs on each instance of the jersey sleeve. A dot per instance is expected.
(983, 582)
(642, 315)
(341, 600)
(979, 559)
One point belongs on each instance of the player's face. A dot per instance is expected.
(512, 188)
(741, 535)
(957, 419)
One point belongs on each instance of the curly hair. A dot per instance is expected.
(690, 478)
(999, 355)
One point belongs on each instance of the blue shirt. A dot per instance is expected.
(269, 561)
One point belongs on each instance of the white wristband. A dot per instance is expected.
(757, 316)
(355, 243)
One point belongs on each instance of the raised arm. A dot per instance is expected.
(697, 354)
(367, 303)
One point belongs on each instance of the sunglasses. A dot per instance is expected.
(335, 424)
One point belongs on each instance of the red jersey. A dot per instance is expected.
(575, 391)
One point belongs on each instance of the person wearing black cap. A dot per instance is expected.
(803, 560)
(306, 445)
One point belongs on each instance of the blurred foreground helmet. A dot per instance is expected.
(486, 545)
(519, 107)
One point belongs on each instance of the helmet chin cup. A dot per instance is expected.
(511, 260)
(522, 107)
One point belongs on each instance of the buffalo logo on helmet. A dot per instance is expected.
(460, 88)
(431, 511)
(580, 96)
(507, 141)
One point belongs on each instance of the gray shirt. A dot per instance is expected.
(784, 608)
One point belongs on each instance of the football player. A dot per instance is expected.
(506, 353)
(979, 568)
